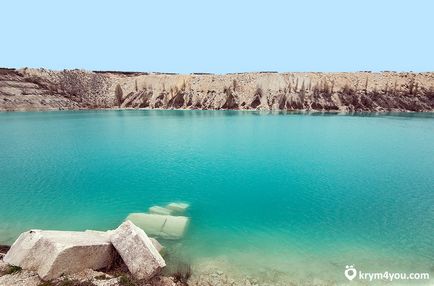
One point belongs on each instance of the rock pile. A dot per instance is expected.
(46, 255)
(52, 254)
(165, 222)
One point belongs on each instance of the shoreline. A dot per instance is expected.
(265, 112)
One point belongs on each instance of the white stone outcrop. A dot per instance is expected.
(53, 253)
(137, 251)
(165, 226)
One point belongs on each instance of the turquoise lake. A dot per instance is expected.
(298, 194)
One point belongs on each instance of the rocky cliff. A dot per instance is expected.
(41, 89)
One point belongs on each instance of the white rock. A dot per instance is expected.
(137, 251)
(160, 210)
(53, 253)
(165, 226)
(178, 207)
(109, 233)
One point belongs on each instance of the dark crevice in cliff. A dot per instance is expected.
(190, 100)
(231, 103)
(231, 100)
(282, 102)
(159, 101)
(177, 101)
(257, 98)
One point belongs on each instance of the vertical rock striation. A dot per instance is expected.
(41, 89)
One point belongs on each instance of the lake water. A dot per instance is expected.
(295, 195)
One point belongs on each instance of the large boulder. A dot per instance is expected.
(165, 226)
(53, 253)
(137, 251)
(109, 233)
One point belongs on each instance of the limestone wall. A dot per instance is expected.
(41, 89)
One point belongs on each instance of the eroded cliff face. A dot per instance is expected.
(41, 89)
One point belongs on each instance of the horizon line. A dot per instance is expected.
(209, 73)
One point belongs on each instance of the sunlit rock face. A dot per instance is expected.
(137, 251)
(41, 89)
(54, 253)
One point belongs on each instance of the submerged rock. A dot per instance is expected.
(165, 226)
(54, 253)
(137, 251)
(160, 210)
(178, 207)
(157, 245)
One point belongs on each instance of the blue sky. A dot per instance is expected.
(218, 36)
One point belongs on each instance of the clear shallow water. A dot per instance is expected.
(302, 195)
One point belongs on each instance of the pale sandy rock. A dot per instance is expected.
(160, 210)
(178, 207)
(53, 253)
(21, 278)
(168, 227)
(137, 251)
